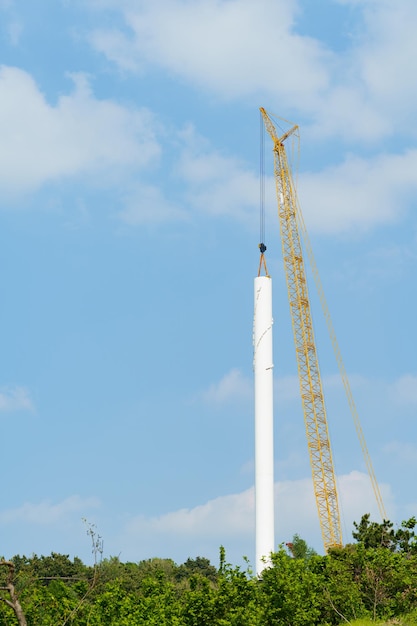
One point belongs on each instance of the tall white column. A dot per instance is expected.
(264, 422)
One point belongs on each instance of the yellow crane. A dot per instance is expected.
(291, 223)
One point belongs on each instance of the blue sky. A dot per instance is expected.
(129, 208)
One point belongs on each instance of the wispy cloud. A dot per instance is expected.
(355, 195)
(15, 30)
(402, 452)
(357, 497)
(47, 513)
(15, 398)
(217, 184)
(230, 519)
(404, 390)
(249, 38)
(237, 387)
(80, 134)
(233, 387)
(147, 203)
(233, 513)
(359, 193)
(287, 388)
(355, 92)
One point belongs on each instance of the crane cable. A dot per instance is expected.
(262, 246)
(341, 365)
(337, 352)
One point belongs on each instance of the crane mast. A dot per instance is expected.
(315, 417)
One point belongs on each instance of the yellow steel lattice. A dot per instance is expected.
(308, 367)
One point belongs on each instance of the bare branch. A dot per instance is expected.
(13, 603)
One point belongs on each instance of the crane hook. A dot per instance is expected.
(262, 248)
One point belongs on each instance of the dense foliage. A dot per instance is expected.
(374, 578)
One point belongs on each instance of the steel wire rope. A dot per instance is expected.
(261, 180)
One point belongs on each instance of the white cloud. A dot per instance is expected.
(240, 48)
(47, 513)
(217, 184)
(229, 47)
(359, 193)
(353, 196)
(236, 387)
(296, 509)
(15, 398)
(287, 388)
(80, 134)
(233, 514)
(230, 520)
(15, 30)
(401, 452)
(356, 497)
(117, 47)
(387, 52)
(146, 203)
(233, 387)
(404, 390)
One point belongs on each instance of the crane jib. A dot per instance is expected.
(315, 416)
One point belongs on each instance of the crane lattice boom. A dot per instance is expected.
(308, 367)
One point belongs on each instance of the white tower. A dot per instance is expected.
(264, 426)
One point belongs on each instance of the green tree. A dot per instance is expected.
(290, 592)
(341, 594)
(199, 565)
(198, 602)
(237, 598)
(405, 536)
(299, 549)
(374, 535)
